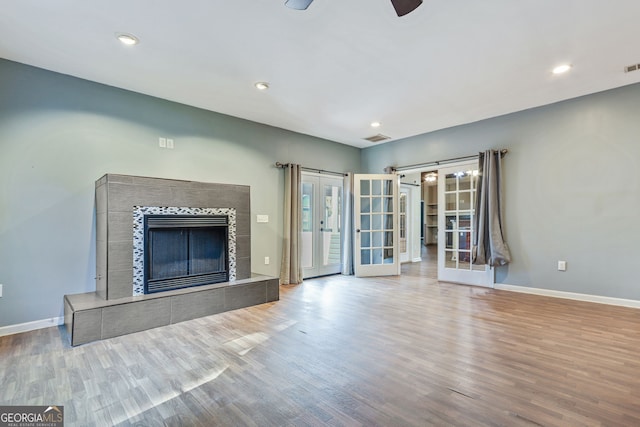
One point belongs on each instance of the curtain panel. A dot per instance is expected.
(489, 245)
(291, 267)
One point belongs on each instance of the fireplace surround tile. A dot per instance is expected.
(116, 195)
(121, 319)
(197, 304)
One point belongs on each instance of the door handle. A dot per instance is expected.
(357, 230)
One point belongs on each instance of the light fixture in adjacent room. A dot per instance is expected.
(432, 177)
(127, 39)
(262, 85)
(375, 124)
(560, 69)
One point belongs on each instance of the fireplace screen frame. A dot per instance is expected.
(185, 227)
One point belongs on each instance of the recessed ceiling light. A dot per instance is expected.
(375, 124)
(262, 85)
(127, 39)
(561, 69)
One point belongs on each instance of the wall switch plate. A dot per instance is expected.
(266, 260)
(562, 265)
(262, 218)
(162, 142)
(169, 143)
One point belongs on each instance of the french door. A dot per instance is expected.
(456, 213)
(321, 219)
(376, 222)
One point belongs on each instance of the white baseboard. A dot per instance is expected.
(31, 326)
(569, 295)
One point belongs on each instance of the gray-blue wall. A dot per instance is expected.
(58, 134)
(572, 188)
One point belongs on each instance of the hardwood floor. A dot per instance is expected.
(339, 350)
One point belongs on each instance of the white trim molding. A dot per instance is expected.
(569, 295)
(31, 326)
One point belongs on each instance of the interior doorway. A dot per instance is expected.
(429, 205)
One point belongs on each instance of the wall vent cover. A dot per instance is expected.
(630, 68)
(377, 138)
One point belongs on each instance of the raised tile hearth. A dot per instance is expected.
(88, 317)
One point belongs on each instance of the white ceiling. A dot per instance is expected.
(338, 65)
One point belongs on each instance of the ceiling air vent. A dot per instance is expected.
(630, 68)
(377, 138)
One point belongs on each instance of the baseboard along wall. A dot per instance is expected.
(31, 326)
(569, 295)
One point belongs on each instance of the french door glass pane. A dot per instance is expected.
(376, 187)
(377, 238)
(376, 222)
(364, 188)
(388, 256)
(308, 220)
(388, 238)
(377, 205)
(365, 239)
(450, 202)
(451, 182)
(465, 182)
(464, 200)
(365, 222)
(388, 204)
(365, 205)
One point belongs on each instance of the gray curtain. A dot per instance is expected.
(347, 225)
(291, 268)
(489, 246)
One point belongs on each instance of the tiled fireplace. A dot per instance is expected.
(201, 233)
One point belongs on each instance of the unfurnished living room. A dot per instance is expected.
(310, 213)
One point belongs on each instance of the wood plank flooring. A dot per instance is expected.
(343, 351)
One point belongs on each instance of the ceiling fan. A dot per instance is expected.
(402, 7)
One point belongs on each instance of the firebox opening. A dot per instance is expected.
(184, 250)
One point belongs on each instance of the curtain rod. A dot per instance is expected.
(438, 163)
(284, 165)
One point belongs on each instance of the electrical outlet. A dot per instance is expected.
(562, 265)
(266, 260)
(262, 218)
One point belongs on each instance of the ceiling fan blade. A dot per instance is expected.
(298, 4)
(403, 7)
